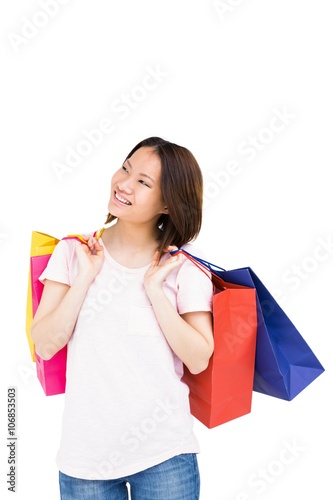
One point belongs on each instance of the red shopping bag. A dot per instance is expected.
(224, 390)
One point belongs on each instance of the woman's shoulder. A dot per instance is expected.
(189, 266)
(70, 239)
(194, 250)
(66, 245)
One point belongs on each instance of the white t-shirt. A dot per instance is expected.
(126, 408)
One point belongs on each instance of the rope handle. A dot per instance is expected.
(79, 237)
(204, 266)
(205, 263)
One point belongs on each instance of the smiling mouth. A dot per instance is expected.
(122, 200)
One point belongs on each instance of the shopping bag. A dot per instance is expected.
(42, 246)
(50, 373)
(224, 390)
(285, 364)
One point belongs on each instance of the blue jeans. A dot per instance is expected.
(174, 479)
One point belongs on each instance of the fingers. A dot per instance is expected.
(98, 248)
(173, 261)
(92, 245)
(170, 248)
(176, 259)
(91, 242)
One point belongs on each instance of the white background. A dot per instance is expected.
(223, 72)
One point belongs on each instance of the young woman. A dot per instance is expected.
(131, 315)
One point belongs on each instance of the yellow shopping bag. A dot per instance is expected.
(41, 245)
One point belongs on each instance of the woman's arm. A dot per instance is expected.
(56, 316)
(190, 336)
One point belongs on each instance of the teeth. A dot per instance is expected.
(122, 199)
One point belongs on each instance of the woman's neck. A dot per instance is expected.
(130, 245)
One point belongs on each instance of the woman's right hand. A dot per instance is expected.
(90, 258)
(60, 305)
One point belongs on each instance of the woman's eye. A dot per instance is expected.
(144, 183)
(124, 168)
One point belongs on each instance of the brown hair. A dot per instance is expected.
(182, 191)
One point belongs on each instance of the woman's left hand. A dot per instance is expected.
(156, 273)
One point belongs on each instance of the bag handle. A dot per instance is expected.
(204, 266)
(79, 237)
(203, 262)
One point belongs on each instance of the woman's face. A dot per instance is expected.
(135, 188)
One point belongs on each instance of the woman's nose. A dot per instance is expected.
(125, 186)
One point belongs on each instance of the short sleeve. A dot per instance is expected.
(62, 266)
(195, 289)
